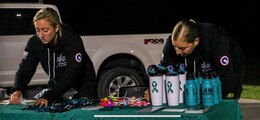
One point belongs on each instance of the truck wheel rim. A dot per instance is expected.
(118, 82)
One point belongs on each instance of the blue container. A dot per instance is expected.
(215, 88)
(190, 91)
(172, 70)
(198, 85)
(220, 88)
(207, 91)
(182, 68)
(199, 77)
(162, 69)
(152, 70)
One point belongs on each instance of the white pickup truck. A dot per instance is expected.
(119, 60)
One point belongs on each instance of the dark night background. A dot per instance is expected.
(240, 19)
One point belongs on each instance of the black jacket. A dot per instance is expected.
(66, 63)
(217, 48)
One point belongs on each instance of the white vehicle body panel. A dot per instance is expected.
(98, 47)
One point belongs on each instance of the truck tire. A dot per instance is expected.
(112, 80)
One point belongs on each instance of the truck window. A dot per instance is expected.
(17, 21)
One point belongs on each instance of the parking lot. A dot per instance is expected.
(250, 109)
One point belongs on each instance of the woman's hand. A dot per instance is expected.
(15, 98)
(41, 102)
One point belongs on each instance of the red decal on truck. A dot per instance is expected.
(154, 41)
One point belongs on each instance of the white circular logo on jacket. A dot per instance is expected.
(224, 60)
(25, 54)
(78, 57)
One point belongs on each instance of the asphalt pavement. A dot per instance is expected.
(250, 109)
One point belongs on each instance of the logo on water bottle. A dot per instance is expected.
(169, 85)
(208, 91)
(180, 85)
(154, 85)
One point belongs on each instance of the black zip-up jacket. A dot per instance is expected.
(217, 48)
(66, 63)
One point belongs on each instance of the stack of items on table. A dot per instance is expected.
(62, 106)
(112, 101)
(173, 85)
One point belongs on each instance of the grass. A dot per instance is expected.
(251, 92)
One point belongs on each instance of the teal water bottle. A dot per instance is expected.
(198, 85)
(199, 77)
(207, 91)
(190, 91)
(215, 88)
(220, 88)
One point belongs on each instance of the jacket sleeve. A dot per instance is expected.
(27, 68)
(223, 62)
(167, 53)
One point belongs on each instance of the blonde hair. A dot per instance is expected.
(186, 29)
(50, 14)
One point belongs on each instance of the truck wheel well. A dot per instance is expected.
(123, 60)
